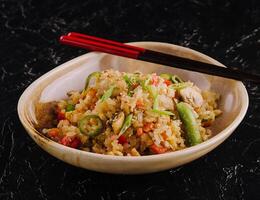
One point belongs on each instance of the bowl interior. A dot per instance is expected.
(71, 76)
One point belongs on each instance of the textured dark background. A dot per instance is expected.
(226, 30)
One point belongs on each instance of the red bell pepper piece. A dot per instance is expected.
(122, 140)
(157, 150)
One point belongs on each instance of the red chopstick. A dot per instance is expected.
(109, 42)
(93, 43)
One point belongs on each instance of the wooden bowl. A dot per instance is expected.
(71, 76)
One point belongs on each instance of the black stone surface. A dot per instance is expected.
(226, 30)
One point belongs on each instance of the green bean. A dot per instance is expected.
(179, 86)
(107, 94)
(190, 124)
(162, 112)
(90, 76)
(127, 80)
(176, 79)
(126, 124)
(166, 76)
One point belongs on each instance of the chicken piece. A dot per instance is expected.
(165, 102)
(192, 95)
(45, 115)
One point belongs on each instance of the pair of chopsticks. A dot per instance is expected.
(92, 43)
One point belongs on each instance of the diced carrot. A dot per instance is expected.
(139, 103)
(122, 139)
(167, 82)
(92, 92)
(164, 136)
(139, 132)
(148, 127)
(157, 150)
(54, 132)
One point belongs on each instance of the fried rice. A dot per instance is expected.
(132, 114)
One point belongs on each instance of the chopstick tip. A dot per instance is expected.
(62, 38)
